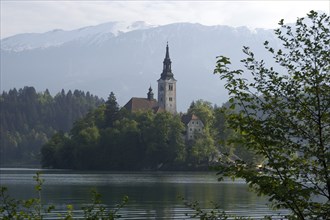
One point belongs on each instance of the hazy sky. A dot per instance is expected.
(40, 16)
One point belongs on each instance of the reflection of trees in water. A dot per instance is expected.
(150, 194)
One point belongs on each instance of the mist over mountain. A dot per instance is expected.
(127, 58)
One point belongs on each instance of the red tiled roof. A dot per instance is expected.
(142, 104)
(186, 118)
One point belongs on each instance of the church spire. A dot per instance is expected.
(167, 86)
(167, 56)
(150, 94)
(167, 70)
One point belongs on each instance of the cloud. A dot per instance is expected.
(41, 16)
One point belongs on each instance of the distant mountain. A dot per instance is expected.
(127, 58)
(92, 35)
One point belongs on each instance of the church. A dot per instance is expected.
(166, 100)
(166, 93)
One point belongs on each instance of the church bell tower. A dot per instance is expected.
(167, 86)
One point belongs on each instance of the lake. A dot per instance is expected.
(152, 195)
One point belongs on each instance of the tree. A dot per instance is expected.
(50, 157)
(111, 110)
(127, 153)
(163, 140)
(203, 109)
(284, 116)
(203, 148)
(29, 118)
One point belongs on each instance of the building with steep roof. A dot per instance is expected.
(143, 104)
(166, 92)
(166, 100)
(193, 125)
(167, 86)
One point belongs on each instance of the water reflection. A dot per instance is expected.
(151, 195)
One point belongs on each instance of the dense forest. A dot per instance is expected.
(112, 138)
(81, 131)
(29, 119)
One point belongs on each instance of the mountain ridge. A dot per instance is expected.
(131, 61)
(23, 41)
(113, 29)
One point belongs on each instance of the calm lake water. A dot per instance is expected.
(152, 195)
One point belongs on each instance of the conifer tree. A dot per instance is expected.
(111, 110)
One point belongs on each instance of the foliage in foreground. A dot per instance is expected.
(284, 116)
(33, 209)
(216, 213)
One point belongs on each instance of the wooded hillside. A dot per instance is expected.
(29, 118)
